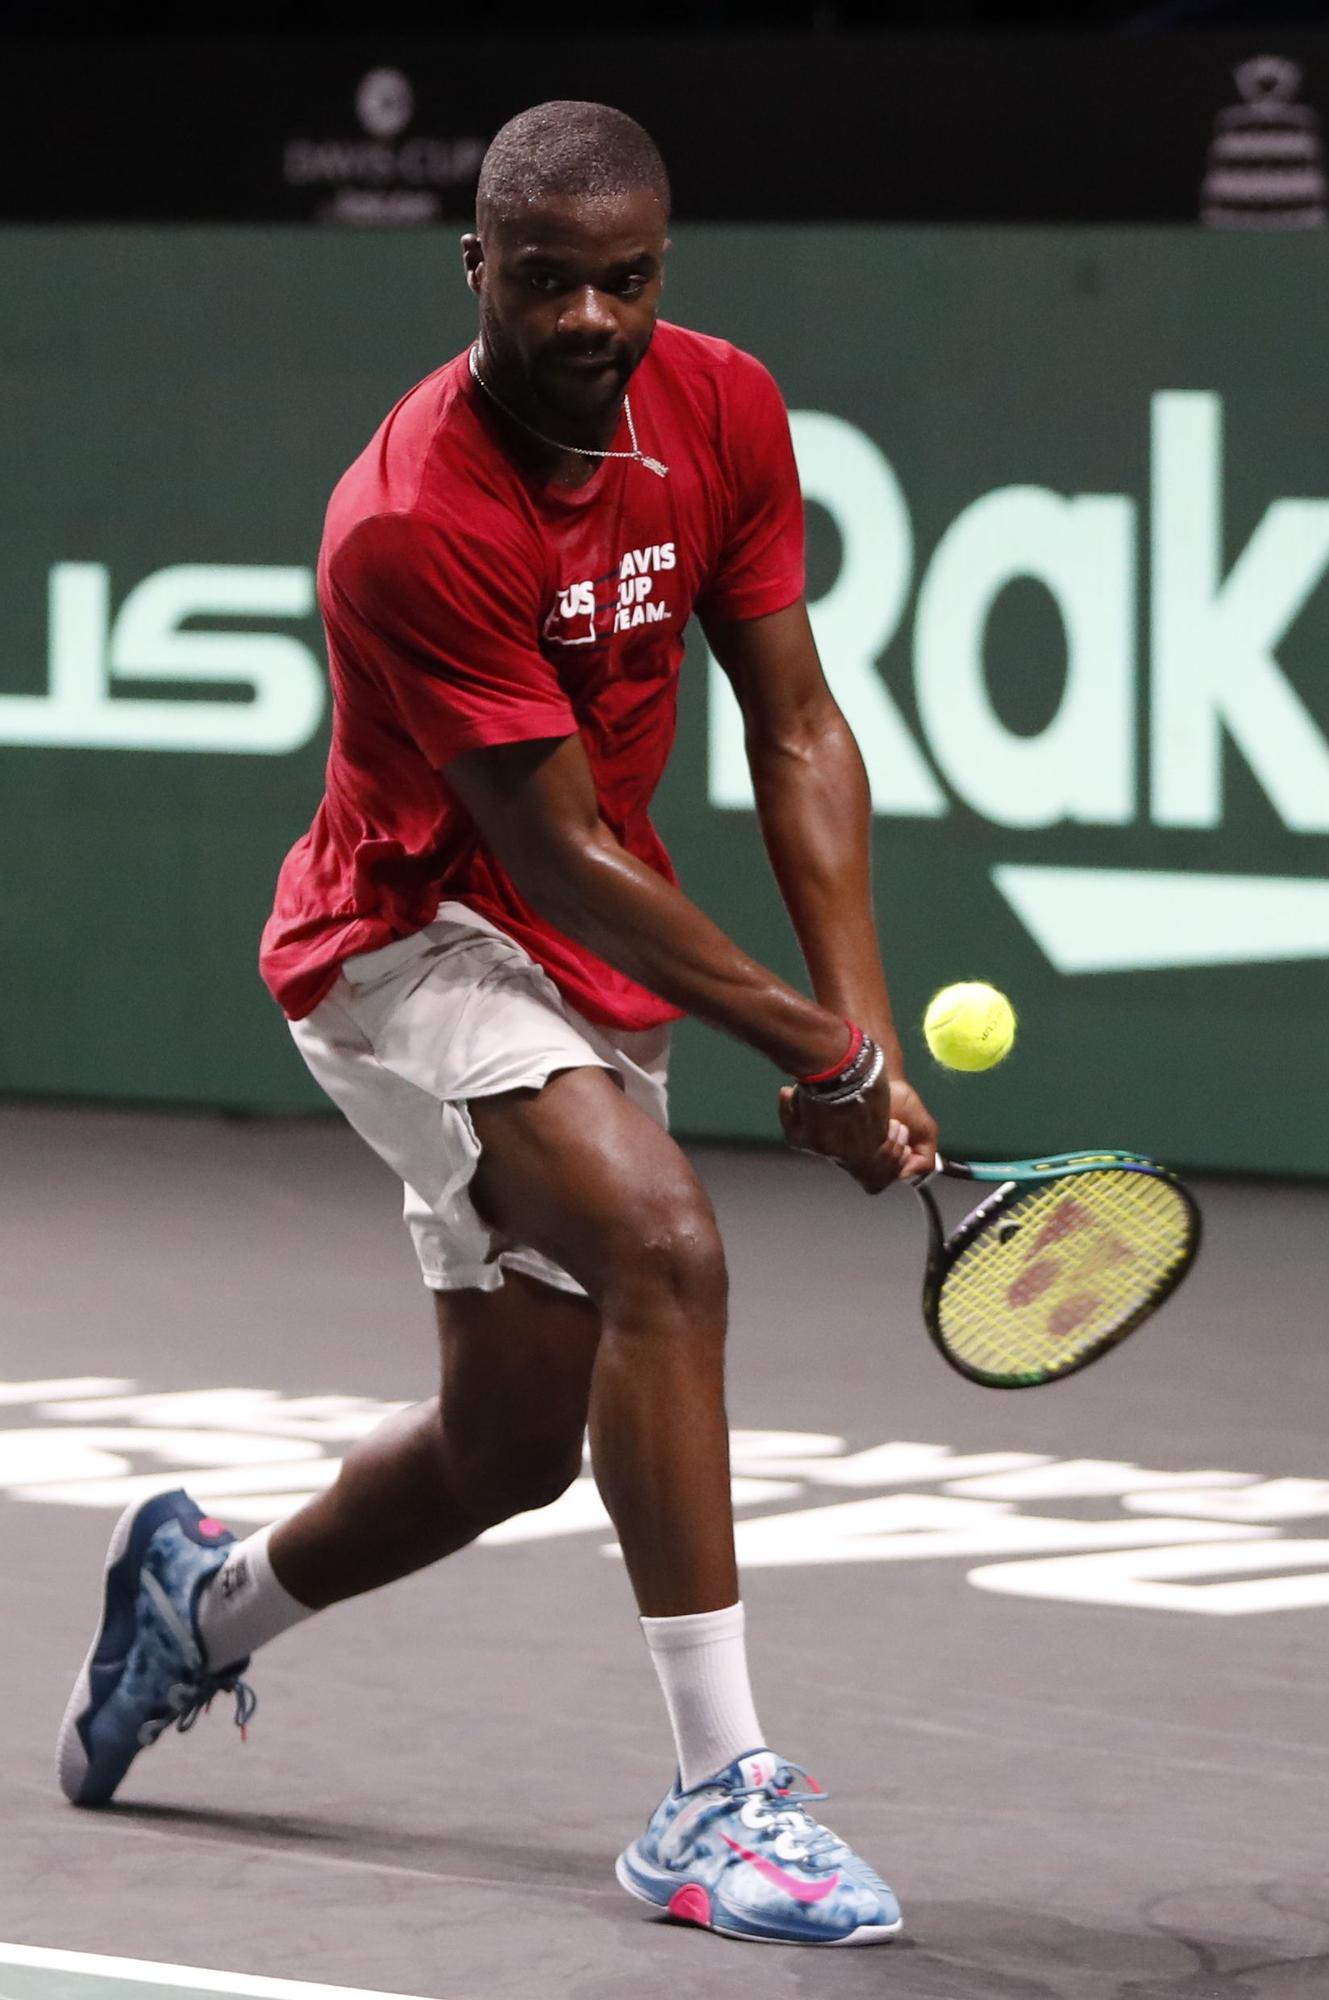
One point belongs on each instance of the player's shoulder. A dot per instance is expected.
(426, 485)
(428, 447)
(392, 555)
(729, 372)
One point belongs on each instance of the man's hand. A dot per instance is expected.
(908, 1107)
(886, 1134)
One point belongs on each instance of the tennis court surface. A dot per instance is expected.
(1059, 1657)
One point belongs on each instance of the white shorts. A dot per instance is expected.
(410, 1032)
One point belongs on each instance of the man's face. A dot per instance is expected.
(569, 289)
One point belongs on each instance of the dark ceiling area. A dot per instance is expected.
(42, 18)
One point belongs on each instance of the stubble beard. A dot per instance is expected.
(572, 418)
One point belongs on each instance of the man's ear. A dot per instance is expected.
(472, 257)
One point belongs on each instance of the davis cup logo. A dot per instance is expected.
(388, 172)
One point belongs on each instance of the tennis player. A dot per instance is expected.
(480, 945)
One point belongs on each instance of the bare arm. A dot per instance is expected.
(815, 812)
(535, 806)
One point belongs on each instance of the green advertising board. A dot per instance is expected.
(1068, 502)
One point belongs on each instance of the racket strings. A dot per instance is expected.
(1061, 1270)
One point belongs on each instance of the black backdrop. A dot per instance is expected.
(1013, 128)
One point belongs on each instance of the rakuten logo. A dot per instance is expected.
(1213, 666)
(98, 665)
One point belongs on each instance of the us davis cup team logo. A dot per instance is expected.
(585, 613)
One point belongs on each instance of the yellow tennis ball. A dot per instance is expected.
(969, 1025)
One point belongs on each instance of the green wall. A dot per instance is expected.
(1069, 513)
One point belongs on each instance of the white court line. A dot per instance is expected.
(64, 1387)
(203, 1979)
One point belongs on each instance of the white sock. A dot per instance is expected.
(702, 1665)
(242, 1605)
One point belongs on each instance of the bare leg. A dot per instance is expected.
(505, 1435)
(581, 1174)
(584, 1176)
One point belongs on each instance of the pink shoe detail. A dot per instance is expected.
(802, 1892)
(759, 1770)
(207, 1526)
(692, 1904)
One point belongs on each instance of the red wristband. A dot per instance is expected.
(850, 1056)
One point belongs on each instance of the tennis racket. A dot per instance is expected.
(1067, 1256)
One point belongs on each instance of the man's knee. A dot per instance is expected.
(667, 1260)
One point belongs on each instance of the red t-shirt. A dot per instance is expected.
(467, 603)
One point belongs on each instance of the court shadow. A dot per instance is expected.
(419, 1851)
(1203, 1944)
(1267, 1941)
(983, 1951)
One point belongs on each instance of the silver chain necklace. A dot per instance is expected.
(636, 455)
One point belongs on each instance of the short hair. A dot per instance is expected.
(570, 148)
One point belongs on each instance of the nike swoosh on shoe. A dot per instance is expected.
(802, 1892)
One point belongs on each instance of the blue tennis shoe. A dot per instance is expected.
(740, 1855)
(146, 1669)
